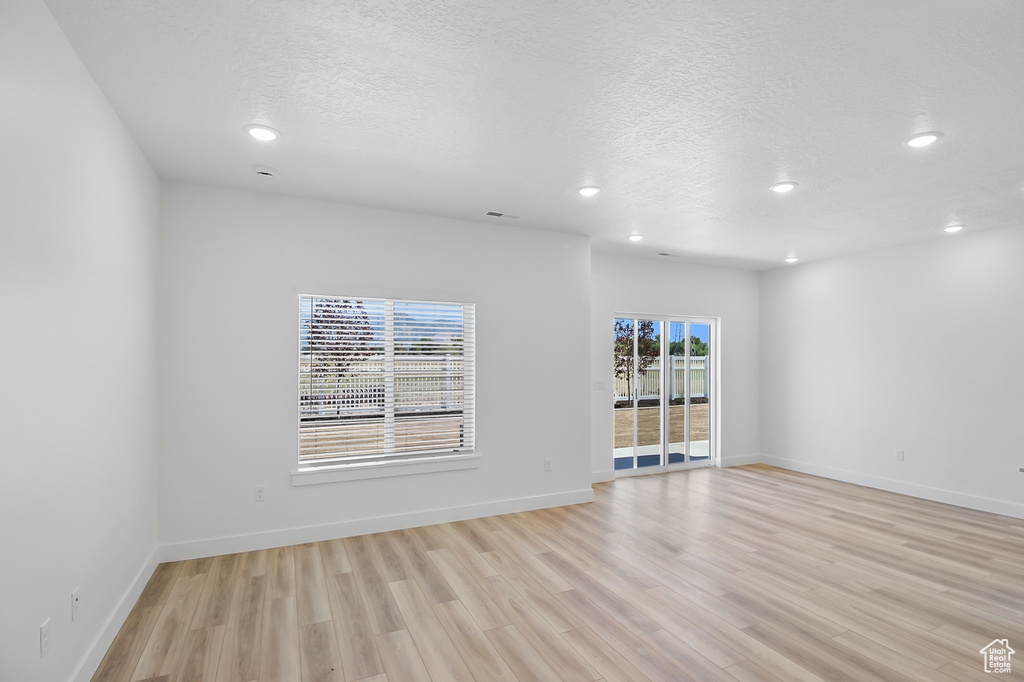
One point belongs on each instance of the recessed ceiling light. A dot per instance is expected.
(953, 228)
(262, 133)
(635, 237)
(792, 259)
(588, 191)
(783, 187)
(923, 139)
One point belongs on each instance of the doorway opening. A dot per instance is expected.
(664, 384)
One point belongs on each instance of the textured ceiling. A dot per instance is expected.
(683, 112)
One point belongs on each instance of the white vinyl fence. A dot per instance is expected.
(421, 383)
(649, 381)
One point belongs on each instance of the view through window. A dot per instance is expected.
(664, 378)
(384, 380)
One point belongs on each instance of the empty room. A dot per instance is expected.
(349, 340)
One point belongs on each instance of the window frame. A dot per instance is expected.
(391, 463)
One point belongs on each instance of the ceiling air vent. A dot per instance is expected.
(494, 214)
(499, 214)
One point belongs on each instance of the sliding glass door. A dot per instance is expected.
(698, 393)
(663, 392)
(625, 394)
(647, 393)
(678, 393)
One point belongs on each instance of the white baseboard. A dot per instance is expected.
(987, 504)
(741, 460)
(105, 637)
(602, 476)
(296, 536)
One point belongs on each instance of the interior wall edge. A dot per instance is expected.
(380, 524)
(976, 502)
(742, 460)
(105, 636)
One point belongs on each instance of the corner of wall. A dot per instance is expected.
(742, 460)
(105, 637)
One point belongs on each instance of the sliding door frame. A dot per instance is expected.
(714, 383)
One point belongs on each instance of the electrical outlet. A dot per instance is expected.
(74, 604)
(259, 493)
(547, 464)
(899, 455)
(44, 638)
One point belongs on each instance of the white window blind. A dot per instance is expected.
(383, 379)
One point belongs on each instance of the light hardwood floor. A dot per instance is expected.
(749, 573)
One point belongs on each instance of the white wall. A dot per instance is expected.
(918, 348)
(232, 265)
(78, 216)
(644, 285)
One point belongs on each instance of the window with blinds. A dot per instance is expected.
(383, 379)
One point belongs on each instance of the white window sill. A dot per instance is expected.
(356, 472)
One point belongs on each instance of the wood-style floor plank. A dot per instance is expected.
(201, 654)
(251, 564)
(434, 586)
(279, 647)
(528, 562)
(543, 638)
(609, 663)
(472, 560)
(891, 658)
(353, 629)
(240, 652)
(281, 572)
(467, 637)
(334, 557)
(159, 585)
(383, 613)
(669, 620)
(640, 655)
(312, 602)
(539, 598)
(745, 671)
(692, 665)
(750, 574)
(215, 601)
(391, 562)
(123, 655)
(318, 653)
(163, 648)
(401, 658)
(523, 659)
(473, 597)
(440, 657)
